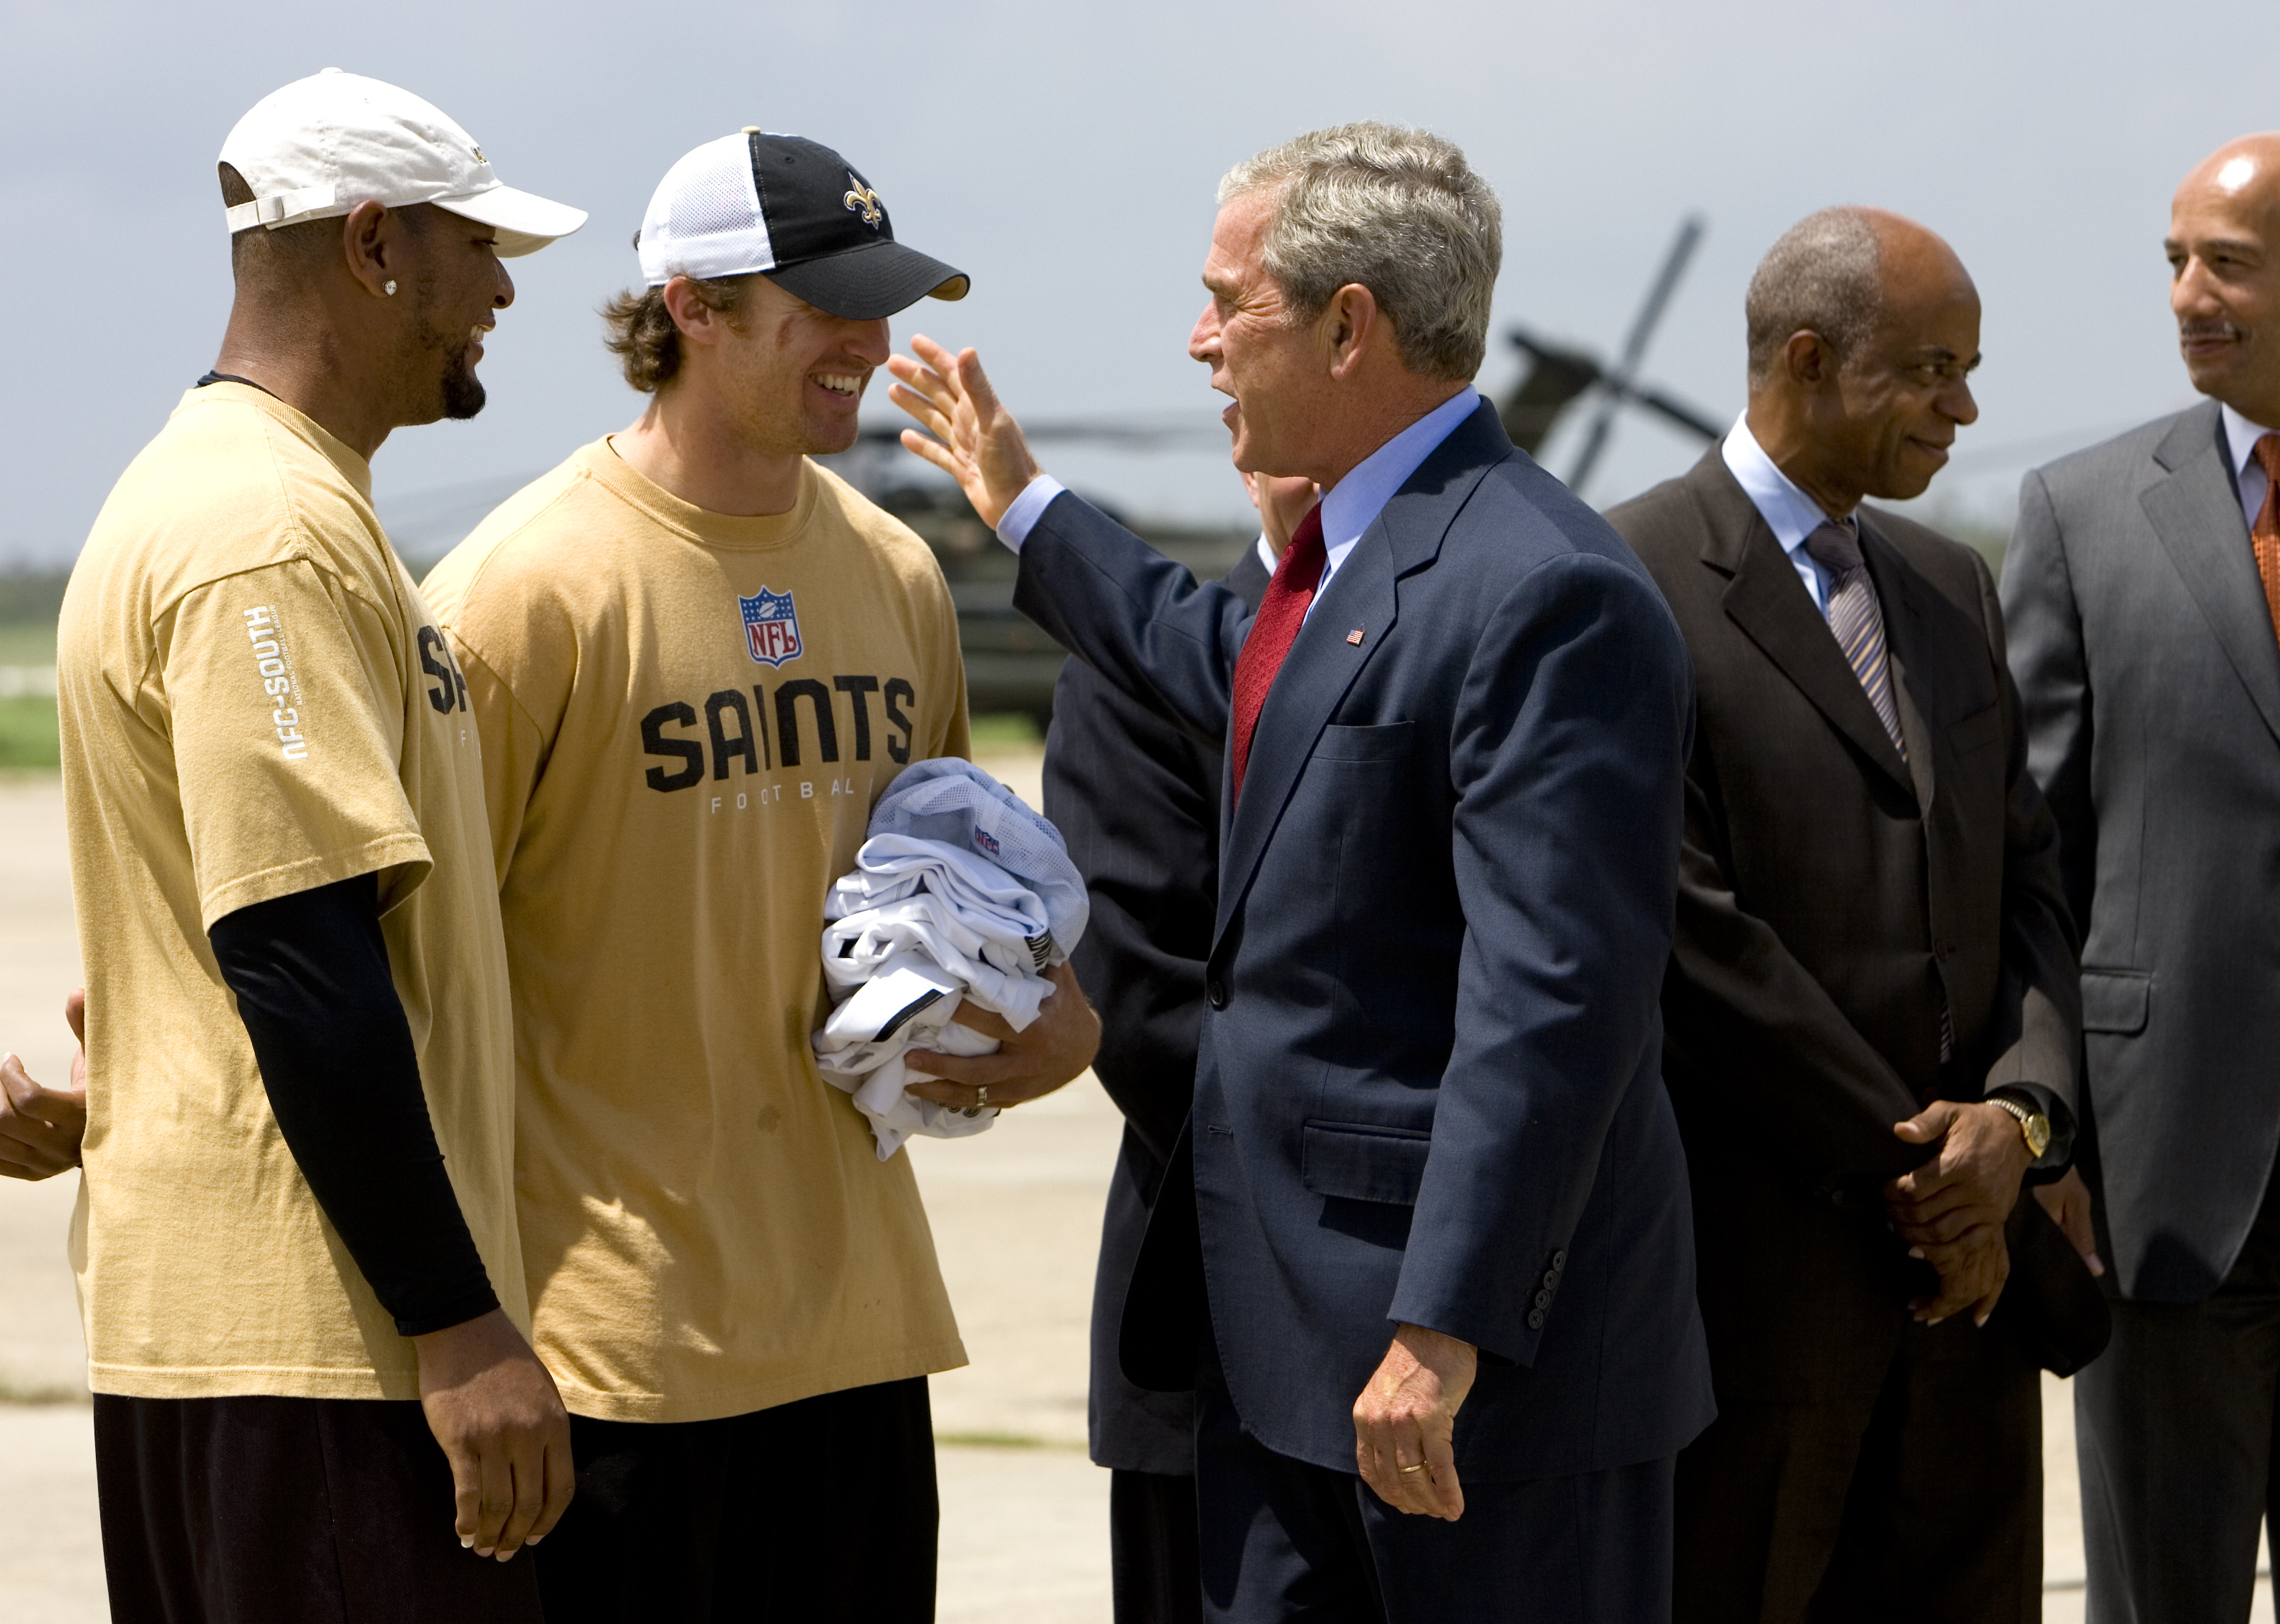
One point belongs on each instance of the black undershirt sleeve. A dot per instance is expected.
(313, 983)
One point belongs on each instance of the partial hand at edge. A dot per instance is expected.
(976, 440)
(1408, 1413)
(1054, 1050)
(1283, 502)
(2067, 1200)
(41, 1127)
(495, 1412)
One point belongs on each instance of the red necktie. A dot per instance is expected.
(1281, 613)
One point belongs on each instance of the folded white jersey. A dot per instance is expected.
(908, 1002)
(929, 920)
(958, 805)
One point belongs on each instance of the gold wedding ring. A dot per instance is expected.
(982, 1097)
(1419, 1467)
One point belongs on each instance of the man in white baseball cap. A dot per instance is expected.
(297, 1256)
(697, 659)
(323, 145)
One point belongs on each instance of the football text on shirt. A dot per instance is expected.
(274, 663)
(796, 725)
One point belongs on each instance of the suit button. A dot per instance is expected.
(1544, 1299)
(1559, 1261)
(1216, 992)
(1536, 1321)
(1551, 1279)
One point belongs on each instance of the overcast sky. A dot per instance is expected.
(1065, 156)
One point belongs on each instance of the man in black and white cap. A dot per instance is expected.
(296, 1244)
(697, 659)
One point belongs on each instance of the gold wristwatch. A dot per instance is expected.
(2034, 1127)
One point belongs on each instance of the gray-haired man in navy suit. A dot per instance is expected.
(1425, 1248)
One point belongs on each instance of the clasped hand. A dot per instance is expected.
(41, 1127)
(1951, 1211)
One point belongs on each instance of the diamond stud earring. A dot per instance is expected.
(390, 287)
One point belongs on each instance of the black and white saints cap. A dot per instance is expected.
(323, 145)
(794, 212)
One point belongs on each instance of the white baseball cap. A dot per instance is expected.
(794, 212)
(323, 145)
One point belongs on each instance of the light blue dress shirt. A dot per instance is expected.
(1788, 512)
(2240, 438)
(1349, 507)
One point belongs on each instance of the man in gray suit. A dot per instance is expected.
(2141, 592)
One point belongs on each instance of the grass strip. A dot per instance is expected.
(28, 737)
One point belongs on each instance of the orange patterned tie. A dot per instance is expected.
(2264, 535)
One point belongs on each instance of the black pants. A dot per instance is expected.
(1151, 1549)
(2175, 1434)
(1921, 1502)
(287, 1511)
(821, 1511)
(1286, 1542)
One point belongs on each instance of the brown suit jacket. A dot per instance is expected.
(1830, 896)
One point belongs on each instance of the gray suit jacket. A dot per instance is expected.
(2146, 662)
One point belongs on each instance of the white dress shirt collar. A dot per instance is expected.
(1788, 512)
(2240, 438)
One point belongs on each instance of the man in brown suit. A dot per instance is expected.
(1871, 1011)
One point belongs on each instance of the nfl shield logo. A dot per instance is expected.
(771, 627)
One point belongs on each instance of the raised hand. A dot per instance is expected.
(976, 440)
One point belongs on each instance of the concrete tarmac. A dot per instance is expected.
(1016, 1217)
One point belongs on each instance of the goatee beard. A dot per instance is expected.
(463, 391)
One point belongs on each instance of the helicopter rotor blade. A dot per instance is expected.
(1692, 418)
(1141, 434)
(1619, 384)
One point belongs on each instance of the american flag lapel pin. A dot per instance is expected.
(1354, 636)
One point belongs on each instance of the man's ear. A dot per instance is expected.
(373, 246)
(698, 322)
(1808, 360)
(1346, 326)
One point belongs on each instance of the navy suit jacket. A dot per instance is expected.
(1428, 1082)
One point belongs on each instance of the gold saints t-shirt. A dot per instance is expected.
(686, 720)
(255, 701)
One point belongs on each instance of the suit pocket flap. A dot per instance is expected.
(1365, 1164)
(1381, 741)
(2115, 1000)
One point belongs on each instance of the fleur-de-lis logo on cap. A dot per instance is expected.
(864, 200)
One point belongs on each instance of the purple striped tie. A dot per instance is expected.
(1858, 620)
